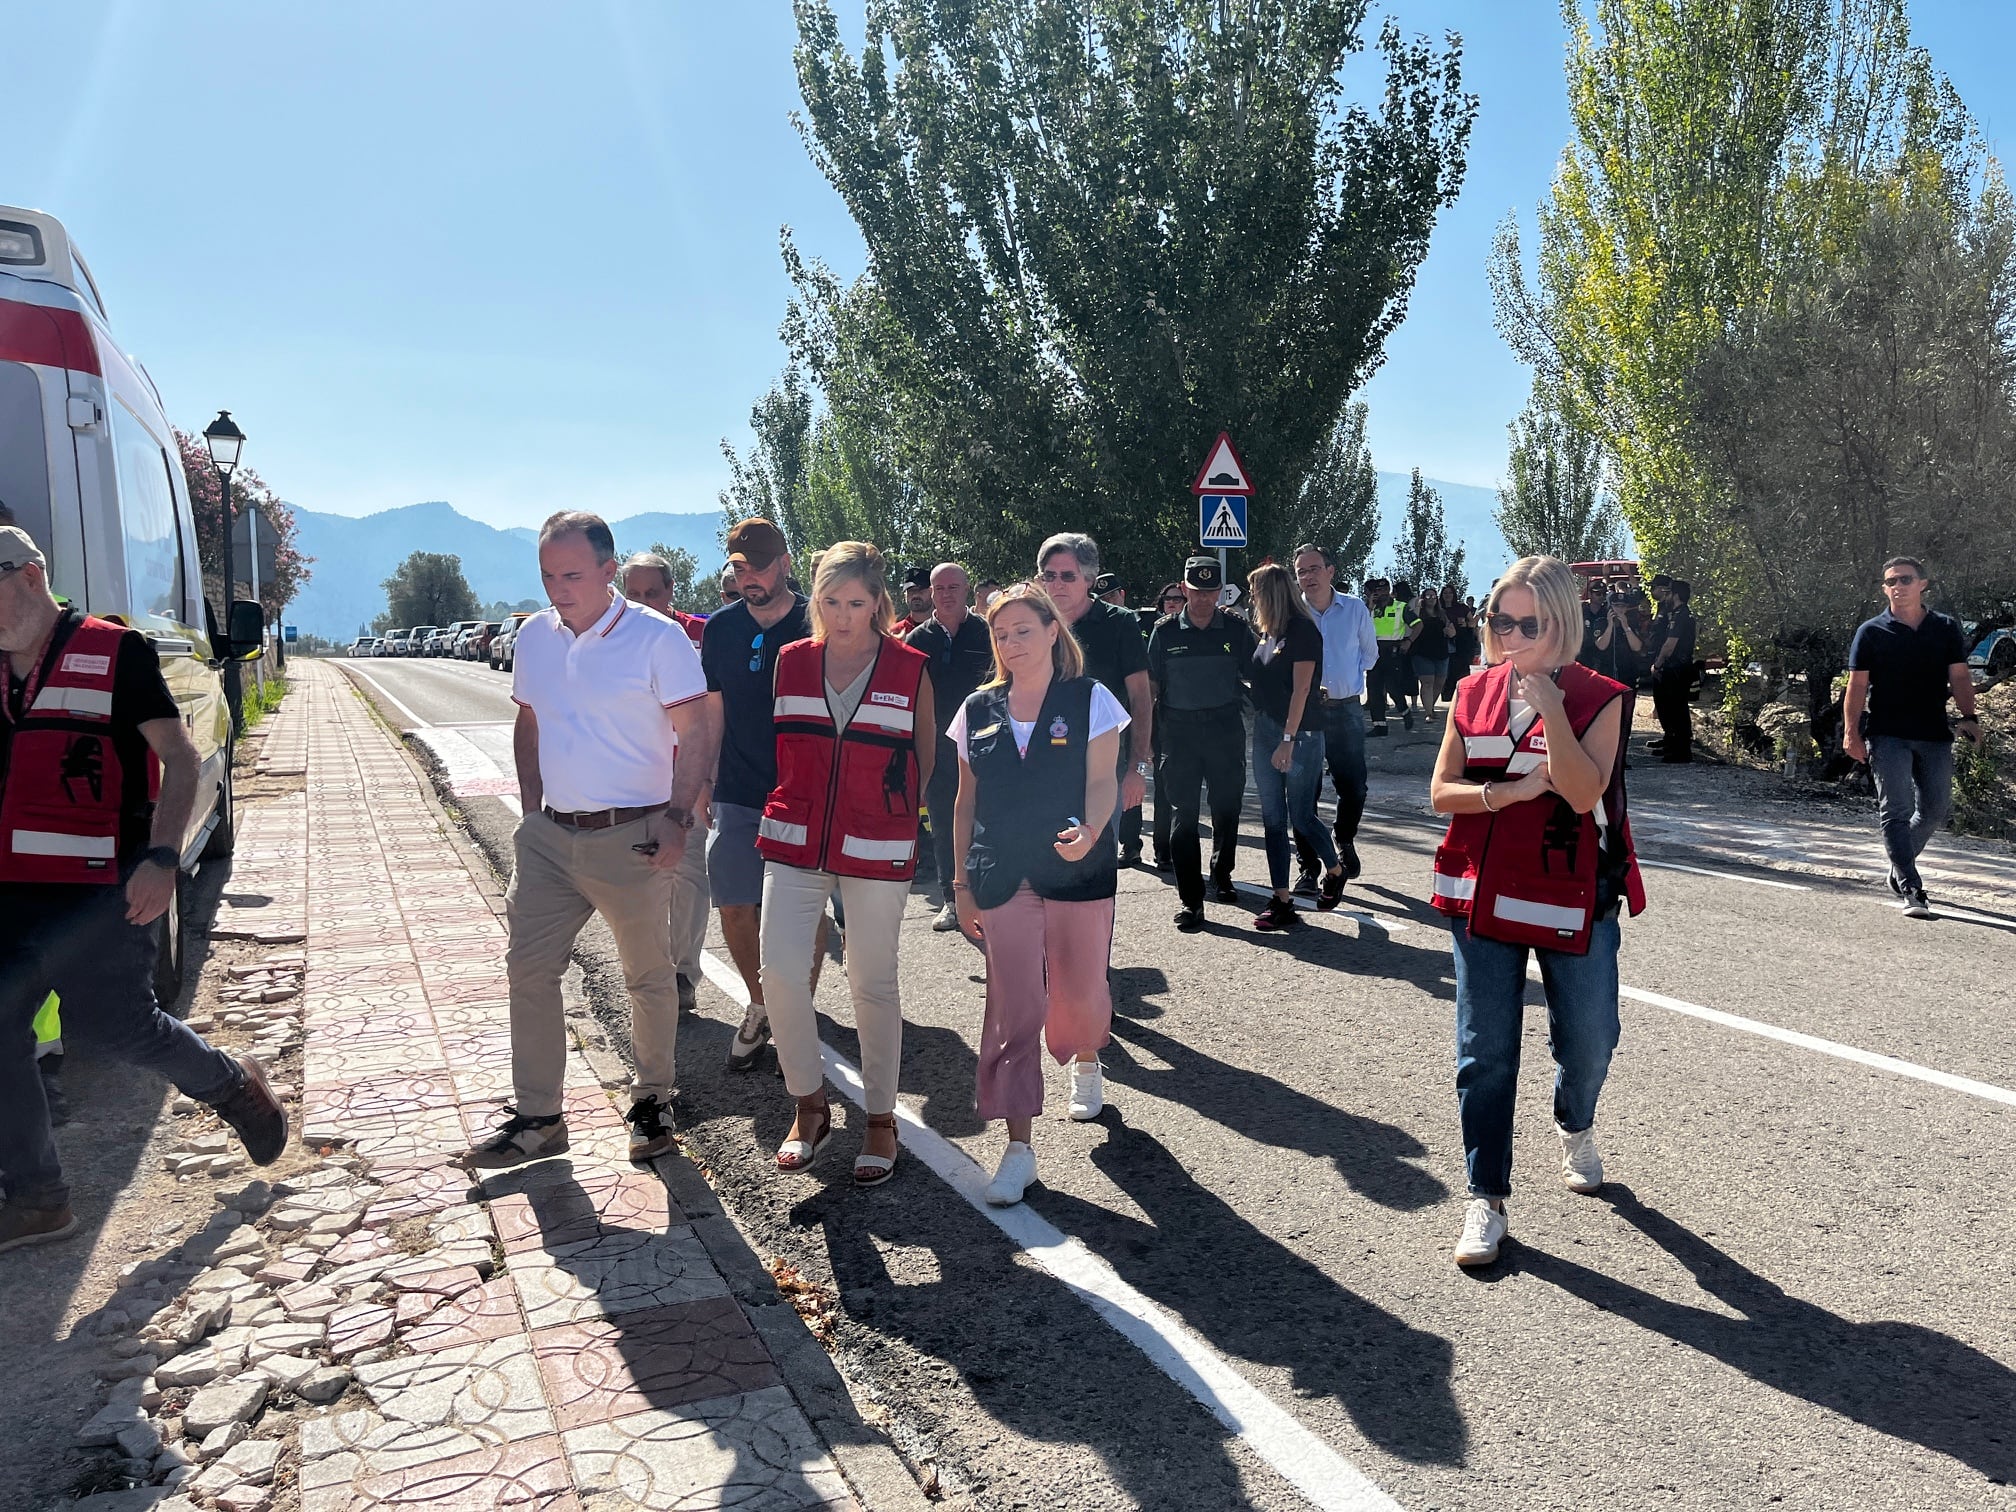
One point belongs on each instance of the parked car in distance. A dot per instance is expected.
(416, 640)
(1994, 643)
(394, 643)
(475, 644)
(503, 644)
(361, 646)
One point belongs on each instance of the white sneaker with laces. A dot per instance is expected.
(948, 917)
(1483, 1227)
(1012, 1176)
(1581, 1166)
(1088, 1090)
(750, 1038)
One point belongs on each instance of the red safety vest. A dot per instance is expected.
(845, 801)
(60, 803)
(1530, 873)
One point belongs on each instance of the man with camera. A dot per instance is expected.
(1673, 668)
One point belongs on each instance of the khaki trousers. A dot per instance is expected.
(793, 899)
(689, 907)
(561, 877)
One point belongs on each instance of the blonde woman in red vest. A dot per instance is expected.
(1538, 858)
(855, 738)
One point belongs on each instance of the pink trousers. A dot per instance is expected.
(1046, 980)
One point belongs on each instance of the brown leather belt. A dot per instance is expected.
(596, 819)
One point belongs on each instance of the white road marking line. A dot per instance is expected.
(1326, 1478)
(1706, 871)
(1988, 1091)
(392, 698)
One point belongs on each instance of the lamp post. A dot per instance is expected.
(225, 440)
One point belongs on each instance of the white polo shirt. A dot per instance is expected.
(605, 740)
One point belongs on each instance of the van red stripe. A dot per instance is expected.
(51, 338)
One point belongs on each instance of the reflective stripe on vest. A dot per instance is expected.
(96, 702)
(777, 829)
(61, 807)
(50, 843)
(1447, 886)
(876, 850)
(1541, 915)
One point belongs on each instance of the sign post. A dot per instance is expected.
(1224, 491)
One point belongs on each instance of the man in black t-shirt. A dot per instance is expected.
(962, 657)
(1902, 667)
(738, 652)
(92, 939)
(1672, 646)
(1068, 565)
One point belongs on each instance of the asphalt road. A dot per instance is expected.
(1794, 1291)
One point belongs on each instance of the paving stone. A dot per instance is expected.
(659, 1357)
(620, 1273)
(470, 1316)
(529, 1476)
(216, 1444)
(309, 1301)
(245, 1498)
(429, 1407)
(199, 1367)
(414, 1191)
(554, 1217)
(754, 1452)
(352, 1329)
(214, 1406)
(254, 1460)
(324, 1384)
(288, 1372)
(140, 1441)
(288, 1338)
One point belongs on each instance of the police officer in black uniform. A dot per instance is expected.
(1197, 662)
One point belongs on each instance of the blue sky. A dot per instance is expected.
(520, 256)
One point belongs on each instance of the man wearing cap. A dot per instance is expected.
(612, 746)
(739, 654)
(961, 656)
(1067, 565)
(88, 864)
(1111, 590)
(1197, 663)
(1350, 651)
(647, 579)
(916, 601)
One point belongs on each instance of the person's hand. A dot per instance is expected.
(1075, 843)
(1133, 789)
(1542, 695)
(969, 915)
(1856, 747)
(670, 837)
(1535, 784)
(148, 892)
(1283, 757)
(1970, 729)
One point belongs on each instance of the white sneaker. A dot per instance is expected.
(749, 1039)
(1483, 1227)
(1012, 1176)
(1088, 1090)
(948, 917)
(1581, 1166)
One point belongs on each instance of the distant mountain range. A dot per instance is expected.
(353, 557)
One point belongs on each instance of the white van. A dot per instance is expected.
(90, 469)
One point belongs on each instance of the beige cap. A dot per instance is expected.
(17, 549)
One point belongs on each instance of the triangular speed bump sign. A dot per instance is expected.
(1223, 472)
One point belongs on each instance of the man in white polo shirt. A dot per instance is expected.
(608, 693)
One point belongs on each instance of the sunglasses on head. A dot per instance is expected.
(1504, 624)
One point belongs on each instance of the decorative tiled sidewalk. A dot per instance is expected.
(568, 1344)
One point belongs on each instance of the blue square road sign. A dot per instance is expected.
(1221, 519)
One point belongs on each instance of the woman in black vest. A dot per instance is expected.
(1038, 747)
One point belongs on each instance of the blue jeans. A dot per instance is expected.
(1490, 1013)
(76, 940)
(1289, 799)
(1343, 727)
(1914, 793)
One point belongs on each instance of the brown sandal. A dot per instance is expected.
(873, 1170)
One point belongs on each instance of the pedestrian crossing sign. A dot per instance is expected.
(1221, 519)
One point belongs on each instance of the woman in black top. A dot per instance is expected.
(1428, 651)
(1039, 749)
(1287, 757)
(1463, 642)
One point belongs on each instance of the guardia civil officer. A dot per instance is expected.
(1197, 663)
(89, 851)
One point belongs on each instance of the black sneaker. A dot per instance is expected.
(1223, 890)
(1190, 920)
(22, 1226)
(1130, 855)
(1331, 893)
(1277, 916)
(1407, 719)
(1377, 732)
(1347, 852)
(650, 1136)
(689, 1000)
(1917, 905)
(1308, 882)
(1164, 864)
(255, 1113)
(518, 1140)
(1896, 884)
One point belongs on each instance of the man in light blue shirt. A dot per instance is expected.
(1350, 648)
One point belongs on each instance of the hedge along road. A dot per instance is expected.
(1794, 1287)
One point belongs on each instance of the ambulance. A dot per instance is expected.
(90, 469)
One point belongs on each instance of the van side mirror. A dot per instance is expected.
(248, 630)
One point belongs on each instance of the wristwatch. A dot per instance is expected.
(163, 855)
(1143, 769)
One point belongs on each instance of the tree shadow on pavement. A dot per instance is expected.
(1371, 1156)
(1257, 1300)
(1901, 1379)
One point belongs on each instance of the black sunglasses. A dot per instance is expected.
(1505, 624)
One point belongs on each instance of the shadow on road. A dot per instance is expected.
(1900, 1379)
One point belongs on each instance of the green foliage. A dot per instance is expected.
(1555, 503)
(248, 490)
(1099, 232)
(262, 696)
(426, 589)
(502, 609)
(1422, 557)
(1336, 508)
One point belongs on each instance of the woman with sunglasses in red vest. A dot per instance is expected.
(1538, 858)
(855, 738)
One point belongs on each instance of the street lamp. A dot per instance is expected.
(226, 441)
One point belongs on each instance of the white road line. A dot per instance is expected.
(392, 698)
(1707, 871)
(1326, 1478)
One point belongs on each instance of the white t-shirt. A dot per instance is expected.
(1106, 715)
(605, 739)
